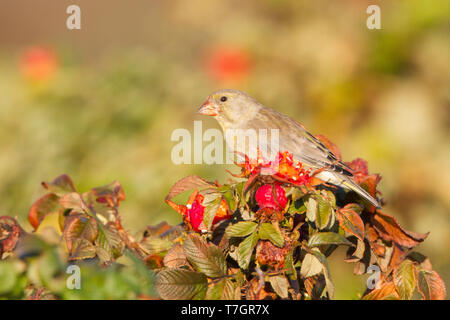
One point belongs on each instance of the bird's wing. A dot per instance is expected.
(308, 149)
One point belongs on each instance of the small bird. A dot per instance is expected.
(236, 110)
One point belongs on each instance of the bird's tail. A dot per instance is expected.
(350, 184)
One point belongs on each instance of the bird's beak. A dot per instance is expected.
(208, 109)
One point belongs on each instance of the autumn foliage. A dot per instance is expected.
(258, 236)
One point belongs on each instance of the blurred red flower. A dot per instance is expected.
(227, 63)
(39, 64)
(265, 197)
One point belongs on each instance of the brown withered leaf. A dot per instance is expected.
(111, 194)
(175, 257)
(389, 229)
(269, 254)
(188, 183)
(385, 292)
(397, 257)
(154, 261)
(60, 186)
(10, 232)
(351, 222)
(157, 230)
(80, 231)
(73, 200)
(430, 285)
(44, 206)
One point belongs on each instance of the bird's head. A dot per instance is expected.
(227, 105)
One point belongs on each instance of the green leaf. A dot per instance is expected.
(109, 244)
(245, 250)
(222, 290)
(405, 279)
(240, 229)
(324, 214)
(326, 272)
(267, 231)
(180, 284)
(206, 258)
(216, 290)
(310, 266)
(211, 208)
(155, 245)
(297, 207)
(311, 208)
(280, 285)
(8, 276)
(289, 264)
(228, 195)
(325, 238)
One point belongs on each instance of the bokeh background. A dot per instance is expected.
(100, 103)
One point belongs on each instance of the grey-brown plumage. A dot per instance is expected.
(235, 109)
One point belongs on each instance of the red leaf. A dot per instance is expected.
(188, 183)
(386, 291)
(430, 285)
(44, 206)
(111, 194)
(388, 229)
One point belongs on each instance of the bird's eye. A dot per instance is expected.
(223, 99)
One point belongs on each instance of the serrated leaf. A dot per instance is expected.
(430, 285)
(176, 257)
(156, 245)
(280, 285)
(405, 279)
(80, 231)
(222, 290)
(245, 250)
(267, 231)
(206, 258)
(326, 238)
(180, 284)
(109, 242)
(240, 229)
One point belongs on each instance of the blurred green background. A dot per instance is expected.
(100, 103)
